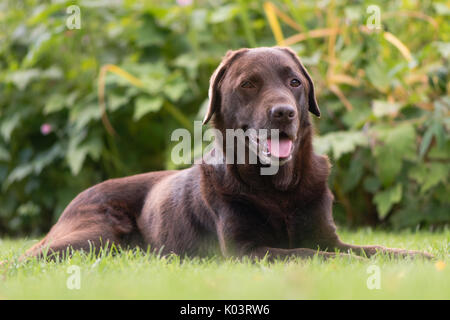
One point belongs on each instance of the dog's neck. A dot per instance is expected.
(247, 178)
(288, 175)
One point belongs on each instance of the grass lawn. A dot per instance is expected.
(140, 276)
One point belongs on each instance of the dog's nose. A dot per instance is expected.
(284, 113)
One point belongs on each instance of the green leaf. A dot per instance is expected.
(189, 62)
(149, 33)
(223, 13)
(4, 154)
(55, 103)
(9, 124)
(352, 13)
(384, 108)
(81, 115)
(312, 60)
(175, 90)
(28, 209)
(46, 158)
(77, 151)
(429, 175)
(425, 142)
(198, 19)
(35, 166)
(441, 153)
(21, 78)
(116, 101)
(18, 173)
(350, 53)
(384, 200)
(93, 147)
(371, 184)
(41, 44)
(442, 9)
(353, 174)
(389, 165)
(339, 143)
(358, 117)
(145, 105)
(395, 144)
(443, 48)
(76, 155)
(75, 158)
(378, 76)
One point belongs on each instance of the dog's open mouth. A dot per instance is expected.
(280, 148)
(272, 148)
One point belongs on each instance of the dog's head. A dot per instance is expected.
(263, 88)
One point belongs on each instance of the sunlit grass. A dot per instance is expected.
(136, 275)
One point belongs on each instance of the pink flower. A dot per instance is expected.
(46, 129)
(184, 3)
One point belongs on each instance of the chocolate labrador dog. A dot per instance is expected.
(228, 207)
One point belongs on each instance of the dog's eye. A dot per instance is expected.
(295, 83)
(247, 85)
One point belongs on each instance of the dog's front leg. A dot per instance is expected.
(328, 239)
(369, 251)
(279, 253)
(235, 242)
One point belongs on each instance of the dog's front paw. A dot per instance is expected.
(411, 254)
(420, 254)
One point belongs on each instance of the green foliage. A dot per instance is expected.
(389, 142)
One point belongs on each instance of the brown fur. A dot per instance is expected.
(231, 208)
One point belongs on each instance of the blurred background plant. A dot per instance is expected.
(384, 96)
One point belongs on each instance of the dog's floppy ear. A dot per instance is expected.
(312, 102)
(215, 81)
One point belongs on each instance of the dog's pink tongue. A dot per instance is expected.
(282, 149)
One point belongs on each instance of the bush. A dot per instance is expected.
(385, 101)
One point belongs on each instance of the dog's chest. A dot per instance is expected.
(289, 225)
(295, 229)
